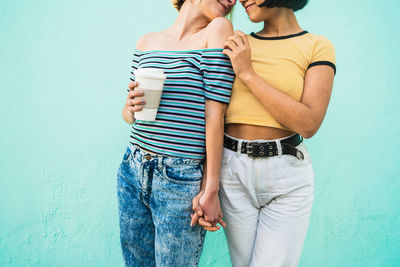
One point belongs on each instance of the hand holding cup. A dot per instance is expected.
(135, 99)
(151, 82)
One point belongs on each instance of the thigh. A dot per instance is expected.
(239, 207)
(174, 187)
(283, 224)
(135, 221)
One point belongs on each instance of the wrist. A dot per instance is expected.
(211, 191)
(128, 116)
(247, 76)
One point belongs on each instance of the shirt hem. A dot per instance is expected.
(256, 123)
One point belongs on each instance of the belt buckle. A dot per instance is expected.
(249, 149)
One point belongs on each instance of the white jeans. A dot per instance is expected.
(266, 203)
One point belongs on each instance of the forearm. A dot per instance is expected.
(214, 144)
(292, 114)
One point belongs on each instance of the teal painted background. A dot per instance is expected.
(64, 69)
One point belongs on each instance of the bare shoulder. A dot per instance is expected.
(218, 31)
(145, 41)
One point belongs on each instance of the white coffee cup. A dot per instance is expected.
(151, 81)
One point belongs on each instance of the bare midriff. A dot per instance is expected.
(255, 132)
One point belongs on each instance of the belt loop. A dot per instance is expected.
(159, 161)
(239, 148)
(279, 147)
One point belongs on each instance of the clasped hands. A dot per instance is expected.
(207, 211)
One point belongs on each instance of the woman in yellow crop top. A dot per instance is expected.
(284, 78)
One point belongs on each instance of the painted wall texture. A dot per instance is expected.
(64, 69)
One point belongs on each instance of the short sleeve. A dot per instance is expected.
(135, 64)
(323, 54)
(218, 75)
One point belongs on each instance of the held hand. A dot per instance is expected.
(197, 217)
(198, 212)
(209, 203)
(134, 100)
(237, 48)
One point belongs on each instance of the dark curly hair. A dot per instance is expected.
(178, 4)
(292, 4)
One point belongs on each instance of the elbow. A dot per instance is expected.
(308, 130)
(306, 134)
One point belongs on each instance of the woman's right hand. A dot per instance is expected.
(134, 102)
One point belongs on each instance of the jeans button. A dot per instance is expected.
(147, 157)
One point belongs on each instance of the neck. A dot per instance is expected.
(190, 20)
(281, 22)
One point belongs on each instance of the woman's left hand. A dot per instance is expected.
(237, 48)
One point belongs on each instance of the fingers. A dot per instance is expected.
(196, 206)
(135, 104)
(227, 52)
(194, 220)
(135, 98)
(134, 109)
(222, 222)
(199, 212)
(133, 90)
(135, 93)
(243, 38)
(208, 226)
(132, 85)
(230, 45)
(209, 219)
(236, 39)
(212, 228)
(135, 101)
(204, 223)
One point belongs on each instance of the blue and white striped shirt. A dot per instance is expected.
(192, 77)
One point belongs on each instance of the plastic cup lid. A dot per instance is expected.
(151, 73)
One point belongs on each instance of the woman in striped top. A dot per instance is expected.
(162, 169)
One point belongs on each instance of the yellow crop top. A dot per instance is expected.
(282, 62)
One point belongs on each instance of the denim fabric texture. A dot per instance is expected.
(155, 195)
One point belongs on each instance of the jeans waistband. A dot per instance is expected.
(138, 151)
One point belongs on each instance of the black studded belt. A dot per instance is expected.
(267, 149)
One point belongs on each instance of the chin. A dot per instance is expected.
(255, 19)
(217, 15)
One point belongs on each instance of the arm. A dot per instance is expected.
(209, 201)
(218, 32)
(304, 117)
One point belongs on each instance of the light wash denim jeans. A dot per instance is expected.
(155, 195)
(266, 203)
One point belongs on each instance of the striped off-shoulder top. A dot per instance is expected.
(192, 77)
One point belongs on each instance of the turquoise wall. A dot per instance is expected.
(64, 69)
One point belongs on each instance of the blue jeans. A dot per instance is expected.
(155, 195)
